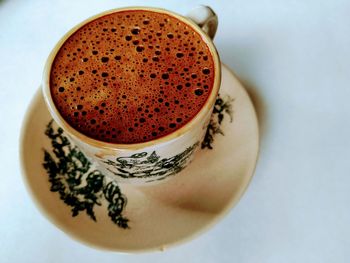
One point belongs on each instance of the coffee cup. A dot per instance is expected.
(143, 112)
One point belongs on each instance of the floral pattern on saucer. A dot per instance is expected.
(79, 185)
(82, 187)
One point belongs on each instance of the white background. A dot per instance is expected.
(294, 59)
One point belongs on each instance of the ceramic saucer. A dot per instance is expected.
(75, 196)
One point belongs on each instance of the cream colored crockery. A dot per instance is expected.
(154, 160)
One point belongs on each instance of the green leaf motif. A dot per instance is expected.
(222, 107)
(79, 185)
(150, 165)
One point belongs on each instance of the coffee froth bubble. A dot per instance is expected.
(131, 76)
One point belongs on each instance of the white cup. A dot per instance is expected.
(158, 159)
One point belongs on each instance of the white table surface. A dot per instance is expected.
(294, 59)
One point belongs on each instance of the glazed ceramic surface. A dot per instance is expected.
(157, 159)
(78, 198)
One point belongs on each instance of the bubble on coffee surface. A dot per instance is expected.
(131, 76)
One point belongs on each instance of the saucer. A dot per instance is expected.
(76, 197)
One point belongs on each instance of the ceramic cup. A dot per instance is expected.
(158, 159)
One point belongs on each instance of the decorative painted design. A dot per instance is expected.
(82, 187)
(150, 165)
(222, 107)
(79, 185)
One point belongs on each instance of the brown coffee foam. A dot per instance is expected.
(131, 76)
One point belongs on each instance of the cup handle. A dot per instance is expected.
(205, 18)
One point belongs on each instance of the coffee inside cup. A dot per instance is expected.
(132, 76)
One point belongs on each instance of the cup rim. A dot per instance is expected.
(206, 109)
